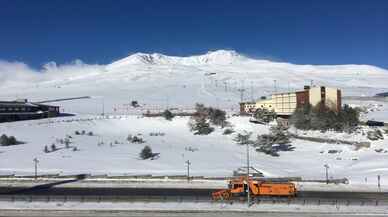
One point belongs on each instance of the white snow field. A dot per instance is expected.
(157, 81)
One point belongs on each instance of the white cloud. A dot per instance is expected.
(13, 73)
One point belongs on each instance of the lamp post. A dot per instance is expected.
(188, 163)
(36, 161)
(327, 173)
(248, 191)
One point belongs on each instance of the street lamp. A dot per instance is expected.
(327, 173)
(248, 191)
(36, 161)
(188, 170)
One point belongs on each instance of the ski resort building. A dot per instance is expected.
(23, 110)
(284, 104)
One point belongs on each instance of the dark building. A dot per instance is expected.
(23, 110)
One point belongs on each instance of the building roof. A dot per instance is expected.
(17, 103)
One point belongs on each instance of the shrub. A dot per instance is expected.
(243, 139)
(168, 115)
(228, 131)
(146, 153)
(77, 132)
(90, 133)
(135, 139)
(7, 141)
(46, 150)
(53, 147)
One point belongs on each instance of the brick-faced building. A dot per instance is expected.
(284, 104)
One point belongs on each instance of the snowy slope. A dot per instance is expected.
(213, 155)
(158, 81)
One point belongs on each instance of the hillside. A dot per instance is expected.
(158, 82)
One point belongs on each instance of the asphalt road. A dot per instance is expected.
(88, 213)
(174, 194)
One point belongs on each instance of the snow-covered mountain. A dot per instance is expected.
(160, 80)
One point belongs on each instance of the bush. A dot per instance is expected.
(243, 139)
(7, 141)
(90, 133)
(53, 147)
(146, 153)
(135, 139)
(46, 150)
(168, 115)
(77, 132)
(228, 131)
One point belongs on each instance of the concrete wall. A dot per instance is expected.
(315, 96)
(285, 103)
(331, 98)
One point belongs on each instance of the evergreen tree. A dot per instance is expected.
(168, 115)
(146, 152)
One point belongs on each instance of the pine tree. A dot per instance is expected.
(146, 152)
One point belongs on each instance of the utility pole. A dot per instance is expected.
(275, 88)
(188, 163)
(378, 182)
(327, 173)
(36, 161)
(103, 107)
(226, 86)
(248, 190)
(252, 91)
(241, 90)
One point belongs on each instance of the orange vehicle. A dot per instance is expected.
(238, 187)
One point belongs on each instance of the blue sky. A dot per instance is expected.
(302, 32)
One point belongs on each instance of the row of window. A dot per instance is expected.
(14, 109)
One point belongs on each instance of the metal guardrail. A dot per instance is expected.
(185, 199)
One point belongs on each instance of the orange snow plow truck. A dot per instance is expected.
(238, 188)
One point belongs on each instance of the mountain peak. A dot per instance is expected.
(218, 57)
